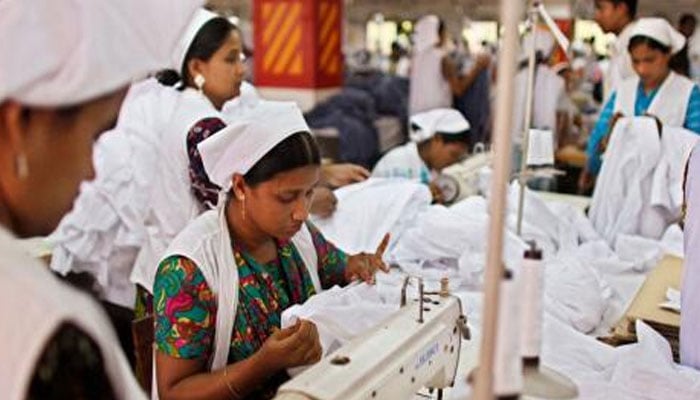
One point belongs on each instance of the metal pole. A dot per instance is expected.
(531, 69)
(511, 11)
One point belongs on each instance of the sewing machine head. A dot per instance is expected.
(417, 347)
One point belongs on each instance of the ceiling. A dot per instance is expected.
(359, 11)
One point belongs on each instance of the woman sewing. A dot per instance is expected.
(221, 288)
(672, 99)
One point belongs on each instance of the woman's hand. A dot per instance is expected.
(363, 266)
(337, 175)
(294, 346)
(324, 202)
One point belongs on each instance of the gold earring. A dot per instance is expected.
(21, 167)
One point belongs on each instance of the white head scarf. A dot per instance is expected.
(239, 146)
(439, 120)
(201, 17)
(660, 30)
(426, 33)
(65, 52)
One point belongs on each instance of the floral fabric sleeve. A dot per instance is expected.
(331, 260)
(185, 310)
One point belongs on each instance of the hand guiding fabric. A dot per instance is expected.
(363, 266)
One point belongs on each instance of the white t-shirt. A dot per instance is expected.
(429, 89)
(403, 162)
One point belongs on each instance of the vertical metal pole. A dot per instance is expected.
(531, 70)
(511, 12)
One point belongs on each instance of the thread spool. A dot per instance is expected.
(508, 369)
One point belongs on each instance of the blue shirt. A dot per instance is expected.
(641, 105)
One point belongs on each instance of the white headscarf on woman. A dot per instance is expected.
(201, 17)
(660, 30)
(59, 53)
(440, 120)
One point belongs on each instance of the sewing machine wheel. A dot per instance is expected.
(449, 187)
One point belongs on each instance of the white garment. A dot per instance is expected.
(403, 162)
(341, 314)
(87, 48)
(35, 304)
(621, 200)
(669, 105)
(548, 90)
(207, 242)
(690, 289)
(429, 89)
(369, 209)
(620, 61)
(105, 229)
(667, 184)
(426, 33)
(172, 205)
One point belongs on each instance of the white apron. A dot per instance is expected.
(428, 89)
(669, 105)
(690, 284)
(34, 305)
(207, 242)
(172, 204)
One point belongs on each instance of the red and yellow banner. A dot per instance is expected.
(298, 43)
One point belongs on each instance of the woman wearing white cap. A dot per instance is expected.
(225, 280)
(59, 89)
(434, 77)
(656, 90)
(439, 138)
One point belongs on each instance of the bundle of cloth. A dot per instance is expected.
(352, 112)
(639, 188)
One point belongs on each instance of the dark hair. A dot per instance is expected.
(650, 42)
(210, 37)
(298, 150)
(687, 19)
(631, 6)
(460, 137)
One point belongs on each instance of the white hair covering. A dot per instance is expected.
(426, 33)
(201, 17)
(65, 52)
(439, 120)
(239, 146)
(543, 41)
(660, 30)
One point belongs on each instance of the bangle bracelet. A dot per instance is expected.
(234, 392)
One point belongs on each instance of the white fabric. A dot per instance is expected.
(242, 104)
(439, 120)
(660, 30)
(207, 242)
(667, 184)
(426, 33)
(341, 314)
(402, 162)
(429, 89)
(369, 209)
(548, 89)
(35, 304)
(239, 146)
(86, 48)
(172, 205)
(669, 105)
(200, 18)
(621, 200)
(543, 43)
(690, 289)
(105, 229)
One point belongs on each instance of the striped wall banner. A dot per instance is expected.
(282, 37)
(329, 59)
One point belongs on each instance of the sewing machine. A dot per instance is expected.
(418, 347)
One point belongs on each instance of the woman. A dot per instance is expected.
(210, 64)
(434, 76)
(656, 90)
(56, 97)
(439, 139)
(254, 250)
